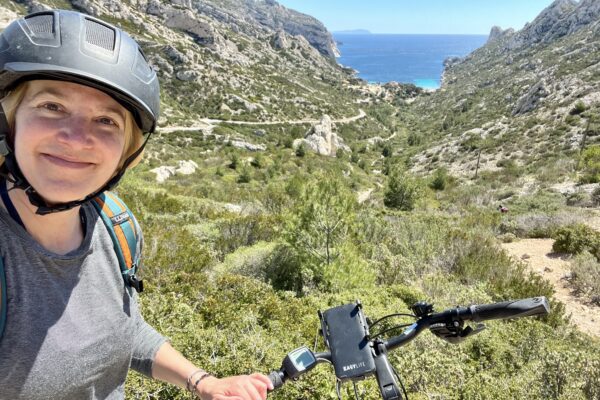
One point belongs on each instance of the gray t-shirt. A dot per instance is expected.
(73, 328)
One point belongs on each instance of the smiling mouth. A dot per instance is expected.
(63, 162)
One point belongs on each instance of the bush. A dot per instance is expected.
(585, 278)
(387, 150)
(440, 179)
(596, 197)
(590, 165)
(578, 108)
(257, 162)
(244, 176)
(402, 192)
(414, 139)
(233, 164)
(300, 151)
(577, 199)
(577, 238)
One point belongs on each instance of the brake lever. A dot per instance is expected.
(455, 331)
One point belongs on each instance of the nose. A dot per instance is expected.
(76, 133)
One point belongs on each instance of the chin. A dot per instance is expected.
(65, 193)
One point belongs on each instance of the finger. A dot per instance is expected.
(262, 383)
(252, 390)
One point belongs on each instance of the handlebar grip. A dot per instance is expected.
(510, 309)
(276, 379)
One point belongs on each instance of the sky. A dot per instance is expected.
(420, 16)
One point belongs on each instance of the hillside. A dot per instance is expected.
(278, 184)
(528, 98)
(215, 59)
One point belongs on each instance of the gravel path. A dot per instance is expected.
(207, 122)
(538, 255)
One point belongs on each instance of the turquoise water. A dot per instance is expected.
(427, 83)
(414, 59)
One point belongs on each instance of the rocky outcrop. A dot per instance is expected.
(165, 172)
(240, 144)
(497, 34)
(322, 140)
(249, 16)
(531, 100)
(549, 24)
(561, 18)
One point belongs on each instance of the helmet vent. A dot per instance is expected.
(41, 24)
(100, 35)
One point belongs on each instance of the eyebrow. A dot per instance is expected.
(59, 94)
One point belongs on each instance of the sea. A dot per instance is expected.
(418, 59)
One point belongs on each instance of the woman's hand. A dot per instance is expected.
(242, 387)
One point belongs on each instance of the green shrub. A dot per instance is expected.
(402, 191)
(244, 176)
(300, 151)
(577, 199)
(321, 224)
(585, 277)
(414, 139)
(173, 256)
(579, 108)
(595, 197)
(242, 230)
(577, 238)
(233, 163)
(257, 161)
(284, 270)
(440, 179)
(590, 165)
(387, 150)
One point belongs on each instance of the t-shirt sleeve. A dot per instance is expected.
(146, 345)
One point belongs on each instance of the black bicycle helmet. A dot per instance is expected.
(74, 47)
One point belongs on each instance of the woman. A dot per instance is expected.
(78, 94)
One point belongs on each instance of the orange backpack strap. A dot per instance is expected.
(125, 234)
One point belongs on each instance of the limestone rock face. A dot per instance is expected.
(322, 140)
(248, 15)
(550, 22)
(165, 172)
(240, 144)
(495, 33)
(561, 18)
(530, 100)
(280, 41)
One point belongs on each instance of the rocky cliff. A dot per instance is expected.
(245, 60)
(524, 94)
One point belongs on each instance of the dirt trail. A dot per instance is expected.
(537, 253)
(208, 123)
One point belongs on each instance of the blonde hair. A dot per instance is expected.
(134, 137)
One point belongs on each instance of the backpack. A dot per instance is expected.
(125, 234)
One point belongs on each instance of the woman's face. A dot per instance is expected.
(68, 139)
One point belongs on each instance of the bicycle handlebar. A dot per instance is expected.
(447, 324)
(510, 309)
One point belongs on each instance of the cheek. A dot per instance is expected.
(26, 136)
(114, 148)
